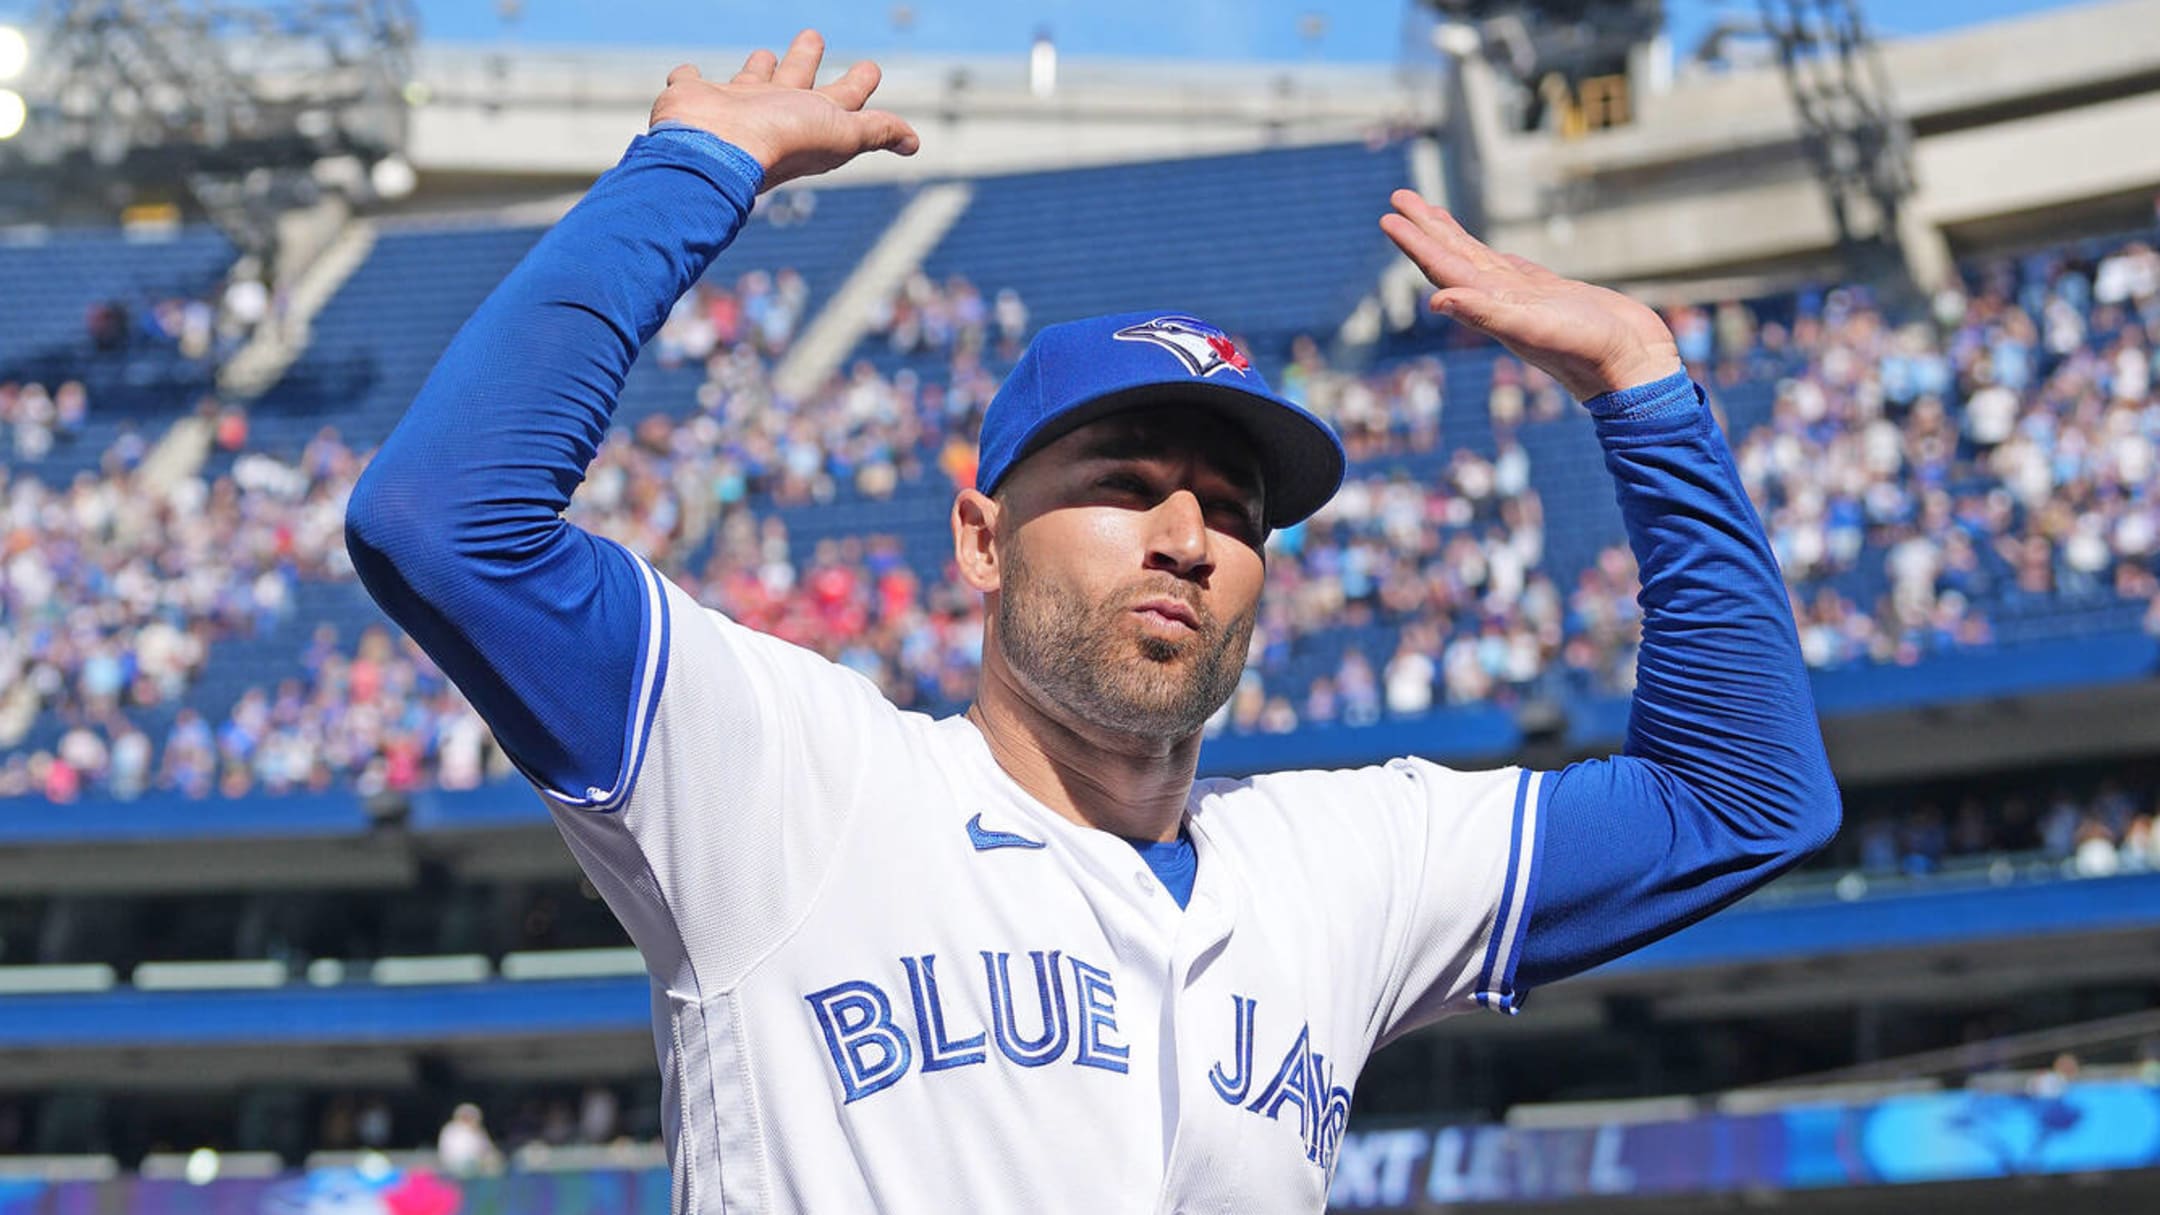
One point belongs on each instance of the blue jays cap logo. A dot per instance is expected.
(1202, 347)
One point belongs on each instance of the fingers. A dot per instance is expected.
(853, 89)
(1441, 262)
(1413, 207)
(799, 69)
(757, 69)
(687, 71)
(884, 131)
(1445, 230)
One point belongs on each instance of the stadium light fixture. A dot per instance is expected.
(1458, 39)
(1042, 66)
(13, 113)
(392, 177)
(14, 52)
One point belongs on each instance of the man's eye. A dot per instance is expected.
(1124, 483)
(1234, 518)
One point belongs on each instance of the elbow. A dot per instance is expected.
(416, 531)
(388, 529)
(372, 521)
(367, 526)
(1816, 813)
(1775, 821)
(1824, 815)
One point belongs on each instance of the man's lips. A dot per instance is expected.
(1169, 609)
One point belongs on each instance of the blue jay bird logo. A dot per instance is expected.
(1202, 347)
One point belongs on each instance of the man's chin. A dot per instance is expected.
(1162, 651)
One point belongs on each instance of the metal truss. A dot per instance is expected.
(1855, 135)
(228, 105)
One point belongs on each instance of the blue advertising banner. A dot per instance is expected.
(1960, 1136)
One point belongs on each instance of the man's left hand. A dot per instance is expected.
(1589, 338)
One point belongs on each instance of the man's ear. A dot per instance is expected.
(974, 528)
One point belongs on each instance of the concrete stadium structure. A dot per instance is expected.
(2039, 122)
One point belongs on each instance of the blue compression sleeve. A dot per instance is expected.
(1723, 783)
(556, 636)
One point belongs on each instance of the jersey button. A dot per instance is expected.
(1144, 882)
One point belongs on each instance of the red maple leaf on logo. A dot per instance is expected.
(1227, 351)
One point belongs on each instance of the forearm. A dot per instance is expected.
(1722, 697)
(516, 408)
(1723, 781)
(456, 526)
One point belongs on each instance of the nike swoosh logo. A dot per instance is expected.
(985, 839)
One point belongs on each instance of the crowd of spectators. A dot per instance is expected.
(39, 420)
(1915, 478)
(503, 1121)
(114, 591)
(1921, 479)
(865, 431)
(759, 313)
(468, 1144)
(381, 718)
(203, 327)
(924, 316)
(2108, 827)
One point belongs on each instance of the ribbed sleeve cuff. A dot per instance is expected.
(1673, 395)
(738, 169)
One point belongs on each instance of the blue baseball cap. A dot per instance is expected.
(1078, 371)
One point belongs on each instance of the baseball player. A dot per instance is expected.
(1021, 959)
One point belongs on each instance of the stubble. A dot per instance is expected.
(1088, 656)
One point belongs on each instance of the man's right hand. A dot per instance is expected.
(772, 110)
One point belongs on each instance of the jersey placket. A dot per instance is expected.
(1149, 935)
(1204, 929)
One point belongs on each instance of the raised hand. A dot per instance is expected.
(773, 111)
(1589, 338)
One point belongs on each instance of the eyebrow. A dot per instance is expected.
(1145, 444)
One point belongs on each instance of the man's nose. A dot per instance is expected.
(1178, 537)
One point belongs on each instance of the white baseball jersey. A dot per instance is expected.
(886, 978)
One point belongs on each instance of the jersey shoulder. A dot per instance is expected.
(1321, 797)
(715, 645)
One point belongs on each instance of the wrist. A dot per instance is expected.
(1646, 367)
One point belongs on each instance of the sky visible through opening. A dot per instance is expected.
(1351, 31)
(1222, 31)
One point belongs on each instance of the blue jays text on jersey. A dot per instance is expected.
(876, 1040)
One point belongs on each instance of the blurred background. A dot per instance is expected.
(281, 932)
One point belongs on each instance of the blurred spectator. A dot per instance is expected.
(599, 1113)
(463, 1147)
(2095, 855)
(372, 1126)
(2053, 1083)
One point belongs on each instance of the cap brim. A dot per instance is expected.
(1301, 459)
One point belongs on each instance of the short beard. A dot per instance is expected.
(1072, 653)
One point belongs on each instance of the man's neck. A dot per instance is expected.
(1129, 786)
